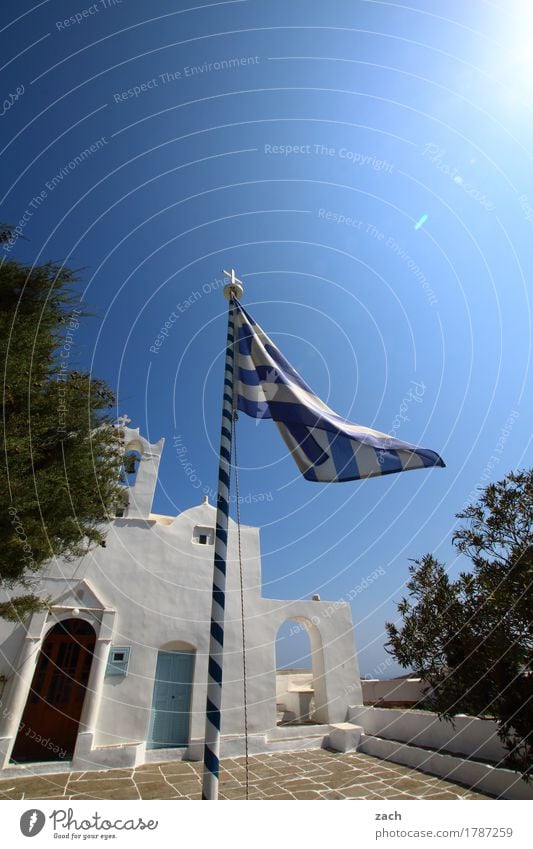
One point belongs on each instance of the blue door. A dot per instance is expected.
(171, 704)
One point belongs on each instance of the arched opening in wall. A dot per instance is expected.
(130, 466)
(51, 718)
(128, 475)
(170, 717)
(300, 681)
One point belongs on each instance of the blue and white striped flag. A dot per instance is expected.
(325, 446)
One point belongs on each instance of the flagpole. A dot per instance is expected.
(233, 290)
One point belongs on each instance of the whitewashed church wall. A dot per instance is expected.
(159, 583)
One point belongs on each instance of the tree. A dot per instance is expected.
(471, 639)
(61, 454)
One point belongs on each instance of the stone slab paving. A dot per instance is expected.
(315, 774)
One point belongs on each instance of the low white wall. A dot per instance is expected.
(502, 783)
(468, 735)
(409, 690)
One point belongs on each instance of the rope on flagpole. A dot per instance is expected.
(216, 641)
(245, 699)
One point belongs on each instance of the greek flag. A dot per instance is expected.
(325, 446)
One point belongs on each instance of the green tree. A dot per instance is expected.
(471, 639)
(61, 454)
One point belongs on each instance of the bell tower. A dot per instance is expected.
(141, 493)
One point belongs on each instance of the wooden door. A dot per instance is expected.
(171, 704)
(51, 717)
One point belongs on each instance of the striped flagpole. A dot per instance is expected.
(234, 289)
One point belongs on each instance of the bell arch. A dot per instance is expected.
(148, 456)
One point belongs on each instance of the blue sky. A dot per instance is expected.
(299, 143)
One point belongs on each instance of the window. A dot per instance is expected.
(203, 536)
(118, 660)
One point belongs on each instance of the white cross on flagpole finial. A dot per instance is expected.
(234, 288)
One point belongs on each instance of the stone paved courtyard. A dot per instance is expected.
(315, 774)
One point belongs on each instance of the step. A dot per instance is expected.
(37, 768)
(154, 756)
(296, 744)
(258, 744)
(344, 737)
(296, 732)
(477, 775)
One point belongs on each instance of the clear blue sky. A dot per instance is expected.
(369, 111)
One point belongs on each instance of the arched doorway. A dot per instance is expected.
(171, 701)
(300, 676)
(50, 721)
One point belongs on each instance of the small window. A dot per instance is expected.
(203, 536)
(118, 661)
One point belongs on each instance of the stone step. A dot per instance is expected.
(154, 756)
(259, 744)
(296, 732)
(35, 768)
(296, 744)
(344, 736)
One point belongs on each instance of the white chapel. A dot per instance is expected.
(114, 672)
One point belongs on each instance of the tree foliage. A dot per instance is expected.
(471, 639)
(61, 454)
